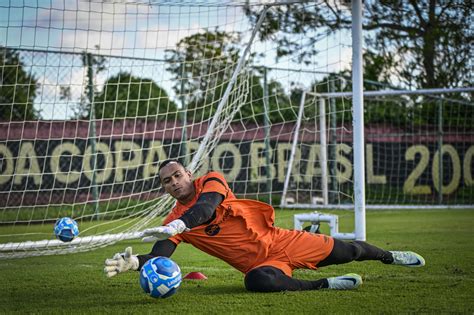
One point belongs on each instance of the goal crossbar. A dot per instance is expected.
(394, 92)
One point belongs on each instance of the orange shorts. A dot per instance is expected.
(293, 249)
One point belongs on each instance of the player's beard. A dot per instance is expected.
(184, 194)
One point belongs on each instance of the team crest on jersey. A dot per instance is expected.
(212, 229)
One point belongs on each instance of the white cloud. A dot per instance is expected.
(140, 30)
(49, 99)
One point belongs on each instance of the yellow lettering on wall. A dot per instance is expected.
(27, 154)
(7, 164)
(456, 162)
(101, 174)
(151, 166)
(371, 177)
(409, 186)
(237, 165)
(311, 168)
(258, 162)
(122, 165)
(343, 162)
(283, 151)
(467, 170)
(203, 167)
(70, 176)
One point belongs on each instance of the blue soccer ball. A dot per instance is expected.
(160, 277)
(66, 229)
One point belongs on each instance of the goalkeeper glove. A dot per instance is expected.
(164, 232)
(121, 262)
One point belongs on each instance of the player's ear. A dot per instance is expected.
(190, 174)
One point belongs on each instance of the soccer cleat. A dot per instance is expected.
(345, 282)
(408, 259)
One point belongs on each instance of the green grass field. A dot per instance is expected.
(75, 283)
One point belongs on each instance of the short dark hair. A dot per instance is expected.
(168, 161)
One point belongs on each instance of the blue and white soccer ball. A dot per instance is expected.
(160, 277)
(66, 229)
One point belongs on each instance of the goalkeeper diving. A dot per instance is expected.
(242, 233)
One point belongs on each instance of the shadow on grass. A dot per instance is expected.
(215, 289)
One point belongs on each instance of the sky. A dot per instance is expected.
(128, 29)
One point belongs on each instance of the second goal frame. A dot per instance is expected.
(323, 202)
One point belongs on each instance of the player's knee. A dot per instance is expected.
(260, 280)
(356, 250)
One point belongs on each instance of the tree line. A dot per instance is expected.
(410, 44)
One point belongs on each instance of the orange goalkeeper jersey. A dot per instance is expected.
(242, 233)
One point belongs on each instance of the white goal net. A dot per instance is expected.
(95, 94)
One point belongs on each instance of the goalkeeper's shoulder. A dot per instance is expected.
(213, 174)
(214, 177)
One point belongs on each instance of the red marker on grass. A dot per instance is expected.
(195, 276)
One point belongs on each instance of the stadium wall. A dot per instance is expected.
(48, 162)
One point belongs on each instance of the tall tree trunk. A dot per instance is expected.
(429, 47)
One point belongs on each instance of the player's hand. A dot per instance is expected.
(121, 262)
(164, 232)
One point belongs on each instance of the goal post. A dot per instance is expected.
(358, 142)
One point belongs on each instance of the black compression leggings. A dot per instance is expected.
(344, 252)
(271, 279)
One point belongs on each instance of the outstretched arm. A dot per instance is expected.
(125, 261)
(163, 248)
(203, 211)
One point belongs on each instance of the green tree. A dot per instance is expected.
(127, 96)
(428, 43)
(280, 106)
(202, 65)
(96, 64)
(376, 77)
(18, 88)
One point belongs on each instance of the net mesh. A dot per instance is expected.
(96, 94)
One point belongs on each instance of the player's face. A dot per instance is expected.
(178, 182)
